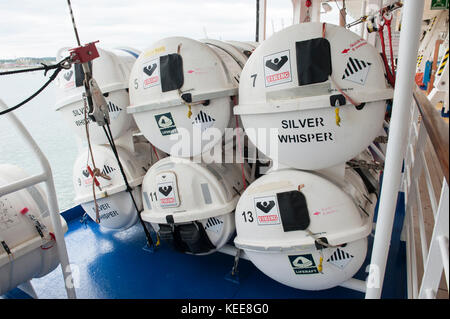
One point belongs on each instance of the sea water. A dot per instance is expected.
(55, 138)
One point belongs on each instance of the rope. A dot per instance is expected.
(109, 135)
(97, 214)
(73, 23)
(44, 67)
(240, 148)
(59, 66)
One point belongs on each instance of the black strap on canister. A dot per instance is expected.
(293, 210)
(189, 237)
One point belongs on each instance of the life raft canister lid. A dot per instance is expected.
(189, 191)
(274, 215)
(172, 74)
(286, 85)
(111, 71)
(105, 160)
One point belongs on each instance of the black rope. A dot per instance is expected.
(128, 188)
(59, 66)
(43, 67)
(257, 21)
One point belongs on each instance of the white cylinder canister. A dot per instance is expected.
(191, 204)
(25, 252)
(115, 206)
(111, 71)
(303, 230)
(181, 94)
(303, 84)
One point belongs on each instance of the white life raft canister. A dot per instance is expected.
(246, 48)
(190, 204)
(282, 230)
(286, 85)
(24, 252)
(116, 208)
(167, 77)
(111, 71)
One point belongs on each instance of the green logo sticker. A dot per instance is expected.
(303, 264)
(166, 124)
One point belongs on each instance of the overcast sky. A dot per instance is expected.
(40, 27)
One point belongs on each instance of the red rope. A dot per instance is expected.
(156, 153)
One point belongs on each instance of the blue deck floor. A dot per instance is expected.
(114, 265)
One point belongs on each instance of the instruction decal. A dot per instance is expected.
(214, 224)
(167, 197)
(356, 71)
(150, 75)
(203, 121)
(267, 210)
(277, 68)
(8, 216)
(166, 124)
(303, 264)
(107, 169)
(340, 258)
(114, 110)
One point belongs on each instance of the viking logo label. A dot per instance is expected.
(165, 190)
(277, 68)
(85, 173)
(68, 75)
(276, 63)
(267, 210)
(150, 69)
(265, 206)
(168, 196)
(150, 76)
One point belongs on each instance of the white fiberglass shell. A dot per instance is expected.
(116, 209)
(27, 260)
(111, 71)
(190, 191)
(271, 96)
(162, 115)
(291, 256)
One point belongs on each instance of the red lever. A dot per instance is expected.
(84, 53)
(94, 178)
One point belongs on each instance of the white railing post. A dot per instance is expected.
(437, 259)
(399, 125)
(47, 178)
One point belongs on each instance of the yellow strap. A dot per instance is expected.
(320, 266)
(189, 112)
(158, 242)
(338, 118)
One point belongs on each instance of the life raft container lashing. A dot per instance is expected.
(305, 224)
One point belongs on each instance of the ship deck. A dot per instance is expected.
(114, 265)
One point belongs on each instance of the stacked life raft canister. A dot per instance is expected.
(111, 207)
(27, 244)
(323, 89)
(181, 97)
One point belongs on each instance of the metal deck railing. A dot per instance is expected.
(404, 165)
(45, 177)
